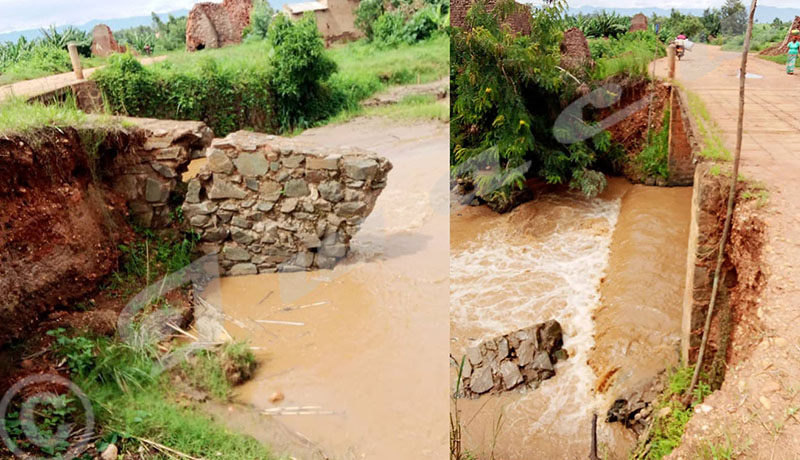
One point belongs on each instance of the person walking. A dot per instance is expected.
(794, 49)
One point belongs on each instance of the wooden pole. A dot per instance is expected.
(593, 453)
(731, 200)
(76, 62)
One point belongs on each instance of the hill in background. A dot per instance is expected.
(763, 13)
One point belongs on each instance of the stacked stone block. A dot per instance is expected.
(150, 170)
(522, 358)
(265, 203)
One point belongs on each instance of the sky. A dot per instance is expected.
(667, 4)
(32, 14)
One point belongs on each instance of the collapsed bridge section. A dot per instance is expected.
(269, 204)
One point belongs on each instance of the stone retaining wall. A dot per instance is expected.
(266, 203)
(150, 170)
(524, 357)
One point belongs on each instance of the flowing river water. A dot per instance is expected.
(610, 270)
(358, 349)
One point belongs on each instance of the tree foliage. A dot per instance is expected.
(299, 69)
(508, 91)
(733, 17)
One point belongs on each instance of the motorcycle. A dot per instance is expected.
(679, 50)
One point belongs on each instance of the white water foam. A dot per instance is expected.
(504, 282)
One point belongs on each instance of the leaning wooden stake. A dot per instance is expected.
(731, 199)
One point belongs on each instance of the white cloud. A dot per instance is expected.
(31, 14)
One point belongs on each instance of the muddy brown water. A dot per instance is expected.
(610, 269)
(359, 348)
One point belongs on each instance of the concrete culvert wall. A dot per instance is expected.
(742, 278)
(266, 203)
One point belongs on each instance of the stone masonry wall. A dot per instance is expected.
(266, 203)
(524, 357)
(151, 169)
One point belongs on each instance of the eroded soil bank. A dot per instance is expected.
(359, 348)
(589, 264)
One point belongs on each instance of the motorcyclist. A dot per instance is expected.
(679, 46)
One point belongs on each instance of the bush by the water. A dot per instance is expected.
(389, 24)
(508, 91)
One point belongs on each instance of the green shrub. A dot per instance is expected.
(260, 18)
(630, 54)
(367, 14)
(388, 29)
(508, 93)
(299, 69)
(654, 159)
(422, 25)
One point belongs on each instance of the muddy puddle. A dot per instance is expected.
(357, 351)
(590, 264)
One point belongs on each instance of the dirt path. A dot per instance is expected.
(754, 412)
(38, 86)
(395, 94)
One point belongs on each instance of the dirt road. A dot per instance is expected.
(38, 86)
(754, 413)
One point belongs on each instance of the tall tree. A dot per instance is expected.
(734, 17)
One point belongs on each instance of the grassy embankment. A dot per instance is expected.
(136, 404)
(234, 87)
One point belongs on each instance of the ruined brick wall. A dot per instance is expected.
(214, 25)
(269, 204)
(519, 22)
(575, 53)
(337, 22)
(103, 43)
(150, 170)
(638, 22)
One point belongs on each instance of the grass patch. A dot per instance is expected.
(713, 147)
(654, 159)
(230, 88)
(20, 117)
(671, 416)
(764, 36)
(217, 371)
(412, 107)
(780, 59)
(146, 405)
(629, 54)
(150, 257)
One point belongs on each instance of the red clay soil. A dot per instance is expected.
(59, 229)
(631, 132)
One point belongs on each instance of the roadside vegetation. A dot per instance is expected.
(137, 407)
(671, 415)
(285, 82)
